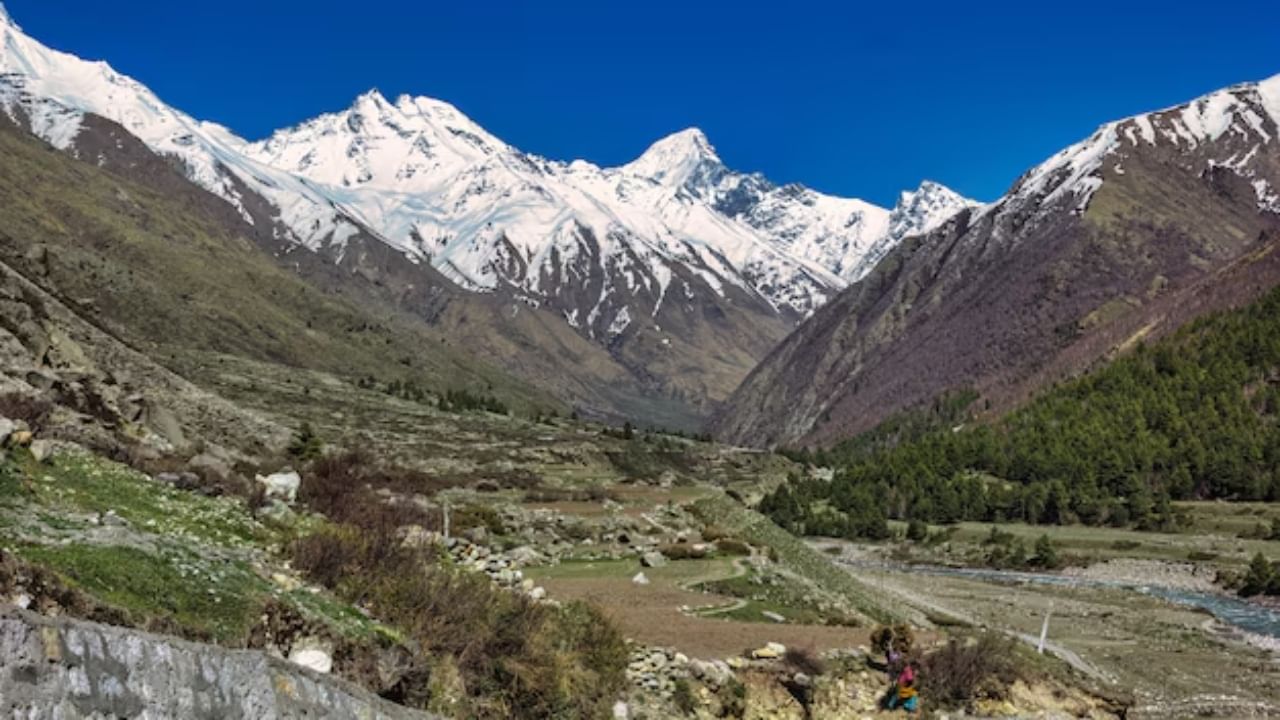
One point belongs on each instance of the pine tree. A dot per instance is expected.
(1046, 556)
(917, 531)
(1258, 578)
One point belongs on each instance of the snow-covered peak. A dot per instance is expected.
(925, 208)
(674, 158)
(1269, 91)
(6, 20)
(411, 145)
(1227, 125)
(429, 181)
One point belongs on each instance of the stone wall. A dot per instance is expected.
(62, 668)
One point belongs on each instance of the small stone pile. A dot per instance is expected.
(502, 567)
(656, 670)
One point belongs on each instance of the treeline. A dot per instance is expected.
(1194, 416)
(462, 400)
(465, 400)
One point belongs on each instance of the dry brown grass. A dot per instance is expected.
(517, 658)
(962, 671)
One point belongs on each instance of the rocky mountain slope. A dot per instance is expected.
(147, 262)
(676, 272)
(1151, 221)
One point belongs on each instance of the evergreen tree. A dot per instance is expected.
(1258, 578)
(305, 445)
(1046, 556)
(917, 531)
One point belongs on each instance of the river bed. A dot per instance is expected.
(1250, 618)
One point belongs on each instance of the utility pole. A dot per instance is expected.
(1044, 630)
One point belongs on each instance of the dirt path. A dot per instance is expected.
(739, 569)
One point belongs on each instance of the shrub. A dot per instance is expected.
(472, 516)
(712, 533)
(917, 530)
(961, 671)
(805, 660)
(998, 537)
(1258, 578)
(306, 444)
(340, 487)
(31, 409)
(683, 697)
(1046, 556)
(517, 658)
(730, 546)
(683, 551)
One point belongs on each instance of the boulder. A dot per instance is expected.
(111, 519)
(775, 617)
(42, 449)
(525, 555)
(282, 486)
(653, 559)
(312, 653)
(640, 579)
(7, 428)
(210, 466)
(771, 651)
(184, 480)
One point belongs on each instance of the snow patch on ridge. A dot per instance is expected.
(420, 175)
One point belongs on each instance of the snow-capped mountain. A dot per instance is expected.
(53, 90)
(671, 262)
(437, 185)
(1146, 224)
(1225, 129)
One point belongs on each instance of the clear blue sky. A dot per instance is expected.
(861, 101)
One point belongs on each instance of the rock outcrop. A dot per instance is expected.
(56, 667)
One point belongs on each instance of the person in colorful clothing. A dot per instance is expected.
(904, 694)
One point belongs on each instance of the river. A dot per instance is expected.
(1248, 617)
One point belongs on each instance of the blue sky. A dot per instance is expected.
(854, 99)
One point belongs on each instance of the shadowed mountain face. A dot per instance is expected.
(1151, 222)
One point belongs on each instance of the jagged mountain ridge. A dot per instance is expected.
(439, 186)
(682, 271)
(1150, 222)
(419, 149)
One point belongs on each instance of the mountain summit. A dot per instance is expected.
(672, 159)
(684, 271)
(1149, 222)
